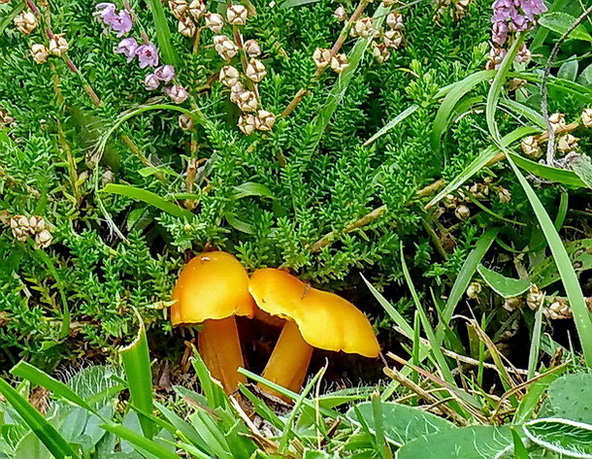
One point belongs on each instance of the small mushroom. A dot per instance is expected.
(211, 290)
(314, 318)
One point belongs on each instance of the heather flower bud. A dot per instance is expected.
(186, 27)
(178, 8)
(496, 56)
(534, 298)
(43, 239)
(177, 93)
(265, 120)
(363, 27)
(255, 70)
(339, 63)
(247, 123)
(504, 195)
(235, 91)
(321, 57)
(225, 47)
(21, 230)
(5, 118)
(395, 20)
(39, 53)
(557, 121)
(558, 309)
(26, 22)
(147, 55)
(387, 3)
(523, 55)
(567, 143)
(381, 53)
(127, 47)
(462, 212)
(531, 148)
(151, 82)
(247, 101)
(252, 48)
(473, 290)
(165, 73)
(214, 22)
(37, 224)
(340, 14)
(587, 117)
(392, 39)
(236, 15)
(229, 76)
(197, 9)
(58, 45)
(512, 304)
(186, 122)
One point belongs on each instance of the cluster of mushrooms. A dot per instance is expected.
(214, 287)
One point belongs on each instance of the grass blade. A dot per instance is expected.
(142, 444)
(393, 123)
(163, 33)
(136, 363)
(48, 435)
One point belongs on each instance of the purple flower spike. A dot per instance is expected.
(122, 23)
(503, 9)
(499, 33)
(178, 94)
(106, 12)
(128, 47)
(147, 55)
(532, 7)
(165, 73)
(151, 82)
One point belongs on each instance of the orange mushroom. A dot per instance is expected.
(211, 290)
(314, 319)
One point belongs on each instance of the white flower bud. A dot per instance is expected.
(247, 101)
(178, 8)
(197, 9)
(395, 20)
(339, 63)
(58, 45)
(225, 47)
(252, 48)
(255, 70)
(235, 90)
(363, 27)
(381, 53)
(473, 290)
(39, 53)
(26, 22)
(178, 94)
(392, 39)
(340, 14)
(534, 298)
(186, 122)
(229, 76)
(531, 148)
(321, 57)
(37, 224)
(214, 22)
(567, 143)
(557, 121)
(43, 239)
(186, 27)
(236, 15)
(247, 123)
(504, 195)
(587, 117)
(462, 212)
(265, 120)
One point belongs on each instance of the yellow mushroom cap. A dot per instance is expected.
(213, 285)
(325, 320)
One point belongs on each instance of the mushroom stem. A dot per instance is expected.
(220, 348)
(289, 360)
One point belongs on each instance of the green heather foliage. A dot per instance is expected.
(268, 198)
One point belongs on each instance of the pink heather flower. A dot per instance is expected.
(519, 23)
(147, 55)
(106, 12)
(165, 73)
(178, 94)
(532, 7)
(503, 10)
(499, 33)
(122, 23)
(151, 82)
(128, 47)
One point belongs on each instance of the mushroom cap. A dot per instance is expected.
(325, 320)
(213, 285)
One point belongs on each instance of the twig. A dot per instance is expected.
(544, 82)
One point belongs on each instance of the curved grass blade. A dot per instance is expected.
(48, 435)
(393, 123)
(543, 171)
(142, 444)
(149, 198)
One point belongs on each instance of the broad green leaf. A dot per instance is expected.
(580, 255)
(472, 442)
(50, 437)
(295, 3)
(138, 373)
(570, 397)
(585, 78)
(401, 423)
(531, 401)
(239, 224)
(570, 438)
(560, 23)
(502, 285)
(251, 189)
(149, 198)
(583, 169)
(563, 176)
(569, 70)
(141, 443)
